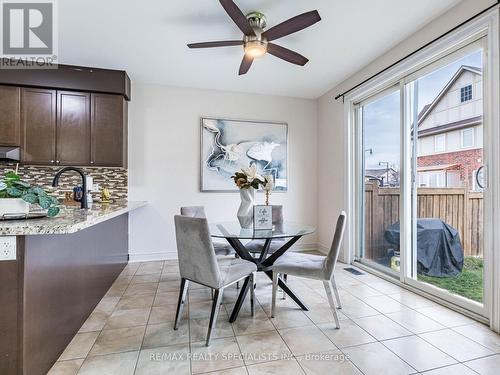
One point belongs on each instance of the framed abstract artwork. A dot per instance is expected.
(228, 146)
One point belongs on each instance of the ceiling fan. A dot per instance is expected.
(257, 42)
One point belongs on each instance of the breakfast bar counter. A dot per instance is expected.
(61, 269)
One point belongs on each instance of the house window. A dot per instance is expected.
(466, 93)
(467, 138)
(440, 143)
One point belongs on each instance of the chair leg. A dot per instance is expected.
(285, 278)
(214, 313)
(275, 289)
(336, 291)
(252, 294)
(327, 286)
(182, 301)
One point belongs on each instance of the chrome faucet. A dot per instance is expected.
(55, 182)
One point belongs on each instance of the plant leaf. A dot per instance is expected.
(30, 198)
(53, 211)
(14, 192)
(38, 191)
(54, 200)
(12, 176)
(44, 201)
(21, 183)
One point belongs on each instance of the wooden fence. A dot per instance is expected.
(458, 207)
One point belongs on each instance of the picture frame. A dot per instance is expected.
(262, 217)
(228, 145)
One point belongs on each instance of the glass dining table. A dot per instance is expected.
(234, 234)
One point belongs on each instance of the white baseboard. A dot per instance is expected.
(167, 255)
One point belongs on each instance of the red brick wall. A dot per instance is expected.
(468, 161)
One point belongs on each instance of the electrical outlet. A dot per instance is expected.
(8, 248)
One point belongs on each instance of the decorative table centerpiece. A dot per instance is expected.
(17, 195)
(248, 180)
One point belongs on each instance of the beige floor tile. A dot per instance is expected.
(458, 369)
(79, 346)
(324, 314)
(70, 367)
(383, 304)
(454, 344)
(362, 291)
(199, 310)
(158, 335)
(445, 316)
(118, 340)
(198, 328)
(262, 347)
(415, 321)
(128, 318)
(149, 268)
(418, 353)
(107, 305)
(486, 366)
(201, 295)
(308, 339)
(385, 287)
(481, 334)
(349, 334)
(355, 308)
(290, 319)
(167, 360)
(139, 289)
(171, 276)
(167, 298)
(248, 325)
(164, 314)
(149, 278)
(95, 322)
(412, 300)
(116, 290)
(283, 366)
(376, 359)
(144, 301)
(231, 371)
(333, 362)
(111, 364)
(220, 355)
(381, 327)
(169, 286)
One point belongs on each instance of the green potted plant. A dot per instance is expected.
(17, 195)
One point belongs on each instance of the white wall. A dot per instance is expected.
(332, 130)
(164, 160)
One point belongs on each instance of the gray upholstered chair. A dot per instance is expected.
(255, 246)
(313, 267)
(198, 263)
(221, 248)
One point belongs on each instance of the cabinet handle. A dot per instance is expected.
(57, 161)
(91, 162)
(52, 161)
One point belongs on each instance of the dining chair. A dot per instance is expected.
(313, 267)
(221, 248)
(198, 263)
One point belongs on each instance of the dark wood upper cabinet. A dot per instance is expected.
(108, 129)
(73, 128)
(10, 124)
(38, 126)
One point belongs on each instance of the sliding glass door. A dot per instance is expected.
(422, 185)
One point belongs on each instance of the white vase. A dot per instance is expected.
(245, 212)
(13, 206)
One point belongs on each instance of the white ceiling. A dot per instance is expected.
(148, 40)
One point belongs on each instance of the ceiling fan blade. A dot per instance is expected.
(222, 43)
(292, 25)
(246, 63)
(237, 16)
(286, 54)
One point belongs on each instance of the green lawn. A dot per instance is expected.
(469, 283)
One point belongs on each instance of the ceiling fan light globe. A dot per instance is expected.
(255, 48)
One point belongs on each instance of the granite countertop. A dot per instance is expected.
(69, 220)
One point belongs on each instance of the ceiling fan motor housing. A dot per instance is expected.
(257, 20)
(256, 45)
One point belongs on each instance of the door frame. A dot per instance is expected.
(485, 26)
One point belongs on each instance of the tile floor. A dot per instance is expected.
(385, 330)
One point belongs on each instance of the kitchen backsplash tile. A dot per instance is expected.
(115, 179)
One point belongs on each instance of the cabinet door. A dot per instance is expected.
(38, 126)
(73, 128)
(108, 130)
(10, 124)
